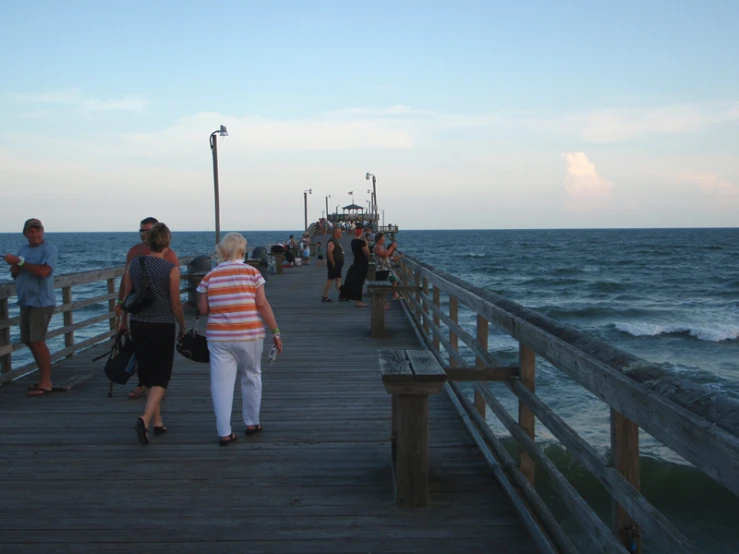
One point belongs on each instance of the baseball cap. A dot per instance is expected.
(33, 222)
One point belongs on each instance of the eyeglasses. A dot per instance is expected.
(144, 230)
(273, 353)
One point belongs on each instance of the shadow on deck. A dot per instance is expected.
(317, 479)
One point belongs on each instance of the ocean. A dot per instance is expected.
(670, 296)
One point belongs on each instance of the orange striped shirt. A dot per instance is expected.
(232, 291)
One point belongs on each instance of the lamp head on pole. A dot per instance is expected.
(309, 191)
(368, 175)
(221, 132)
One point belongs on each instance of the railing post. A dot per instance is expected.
(625, 458)
(112, 303)
(454, 316)
(482, 339)
(68, 317)
(426, 306)
(526, 419)
(417, 279)
(437, 321)
(5, 361)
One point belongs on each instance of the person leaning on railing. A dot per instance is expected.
(382, 257)
(32, 269)
(153, 328)
(233, 297)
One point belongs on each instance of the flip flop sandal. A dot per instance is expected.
(141, 432)
(225, 441)
(36, 391)
(254, 429)
(133, 395)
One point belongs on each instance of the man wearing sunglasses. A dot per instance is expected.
(142, 249)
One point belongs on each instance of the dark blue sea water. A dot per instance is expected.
(670, 296)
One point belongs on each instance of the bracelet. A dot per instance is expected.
(120, 302)
(276, 331)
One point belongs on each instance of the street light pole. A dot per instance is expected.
(374, 189)
(329, 196)
(214, 149)
(305, 201)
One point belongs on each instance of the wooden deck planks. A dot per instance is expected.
(74, 479)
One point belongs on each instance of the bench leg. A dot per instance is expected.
(394, 432)
(378, 315)
(413, 451)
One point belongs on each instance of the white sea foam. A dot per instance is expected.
(709, 334)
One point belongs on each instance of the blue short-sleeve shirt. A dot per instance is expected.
(37, 292)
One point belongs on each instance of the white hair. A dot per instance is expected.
(232, 247)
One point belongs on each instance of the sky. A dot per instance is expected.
(471, 115)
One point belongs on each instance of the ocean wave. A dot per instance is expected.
(707, 334)
(551, 282)
(592, 311)
(473, 255)
(608, 286)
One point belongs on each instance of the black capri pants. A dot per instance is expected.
(154, 347)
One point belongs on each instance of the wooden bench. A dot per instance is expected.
(410, 376)
(279, 260)
(193, 280)
(378, 290)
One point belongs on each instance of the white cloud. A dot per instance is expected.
(625, 123)
(707, 181)
(252, 134)
(74, 99)
(586, 188)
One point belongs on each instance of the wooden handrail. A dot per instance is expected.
(66, 282)
(696, 422)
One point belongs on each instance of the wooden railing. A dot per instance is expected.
(69, 306)
(699, 424)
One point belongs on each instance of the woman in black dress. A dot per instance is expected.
(357, 273)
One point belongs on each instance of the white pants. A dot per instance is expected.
(226, 359)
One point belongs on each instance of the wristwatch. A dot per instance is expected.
(21, 261)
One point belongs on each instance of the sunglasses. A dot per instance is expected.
(144, 230)
(273, 353)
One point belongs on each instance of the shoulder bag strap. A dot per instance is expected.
(144, 273)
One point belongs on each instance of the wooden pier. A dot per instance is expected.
(73, 478)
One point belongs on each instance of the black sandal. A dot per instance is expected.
(142, 432)
(159, 430)
(225, 441)
(254, 429)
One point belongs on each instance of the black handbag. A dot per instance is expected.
(194, 346)
(137, 301)
(121, 364)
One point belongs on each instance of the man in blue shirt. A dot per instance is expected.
(32, 270)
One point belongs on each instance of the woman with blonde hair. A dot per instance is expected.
(232, 295)
(153, 328)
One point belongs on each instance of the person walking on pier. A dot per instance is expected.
(33, 270)
(335, 255)
(233, 297)
(357, 272)
(142, 249)
(153, 328)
